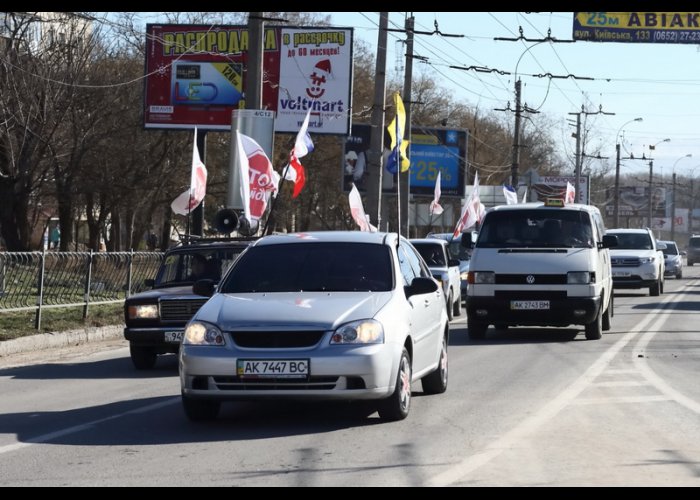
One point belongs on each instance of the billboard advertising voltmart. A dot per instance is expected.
(195, 76)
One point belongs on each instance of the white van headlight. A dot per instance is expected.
(481, 277)
(578, 278)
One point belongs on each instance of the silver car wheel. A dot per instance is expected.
(405, 384)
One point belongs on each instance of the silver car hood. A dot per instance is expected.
(317, 310)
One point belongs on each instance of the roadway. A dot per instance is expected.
(525, 407)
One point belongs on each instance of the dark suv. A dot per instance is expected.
(155, 319)
(693, 254)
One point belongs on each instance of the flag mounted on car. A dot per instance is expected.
(303, 145)
(190, 199)
(435, 207)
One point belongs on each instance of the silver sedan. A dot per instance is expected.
(324, 315)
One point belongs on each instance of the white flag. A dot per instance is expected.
(570, 196)
(358, 211)
(510, 194)
(190, 199)
(435, 207)
(473, 210)
(243, 168)
(303, 145)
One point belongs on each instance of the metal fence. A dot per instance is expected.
(49, 279)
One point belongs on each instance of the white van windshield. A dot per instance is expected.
(536, 228)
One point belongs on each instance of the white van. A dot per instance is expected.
(541, 264)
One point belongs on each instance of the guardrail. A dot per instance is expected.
(50, 279)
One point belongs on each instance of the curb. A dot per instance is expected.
(60, 339)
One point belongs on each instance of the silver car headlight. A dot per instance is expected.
(464, 276)
(198, 333)
(579, 278)
(365, 331)
(143, 311)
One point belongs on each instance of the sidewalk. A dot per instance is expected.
(53, 340)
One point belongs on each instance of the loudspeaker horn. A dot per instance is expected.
(226, 220)
(245, 228)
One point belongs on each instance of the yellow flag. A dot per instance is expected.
(396, 132)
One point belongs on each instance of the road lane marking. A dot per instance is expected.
(643, 366)
(528, 426)
(619, 399)
(78, 428)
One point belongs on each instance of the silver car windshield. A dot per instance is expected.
(309, 267)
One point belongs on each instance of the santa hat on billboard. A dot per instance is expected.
(324, 65)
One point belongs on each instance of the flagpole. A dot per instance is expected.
(274, 199)
(398, 174)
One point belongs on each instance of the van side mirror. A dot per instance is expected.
(609, 241)
(466, 241)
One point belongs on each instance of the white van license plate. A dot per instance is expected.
(528, 305)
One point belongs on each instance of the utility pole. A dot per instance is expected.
(651, 191)
(577, 168)
(518, 110)
(376, 143)
(515, 167)
(404, 179)
(580, 144)
(254, 65)
(404, 184)
(616, 208)
(673, 208)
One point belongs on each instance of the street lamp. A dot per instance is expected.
(515, 164)
(652, 147)
(673, 196)
(616, 216)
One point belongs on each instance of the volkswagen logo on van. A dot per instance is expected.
(530, 279)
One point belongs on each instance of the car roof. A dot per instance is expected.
(209, 244)
(430, 241)
(379, 238)
(638, 230)
(445, 236)
(538, 205)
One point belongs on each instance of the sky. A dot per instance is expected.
(659, 82)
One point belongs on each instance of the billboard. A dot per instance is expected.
(432, 150)
(554, 186)
(644, 27)
(195, 76)
(634, 201)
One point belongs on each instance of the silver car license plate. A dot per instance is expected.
(272, 368)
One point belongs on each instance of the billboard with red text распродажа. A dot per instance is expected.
(196, 74)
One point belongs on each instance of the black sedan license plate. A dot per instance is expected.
(272, 368)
